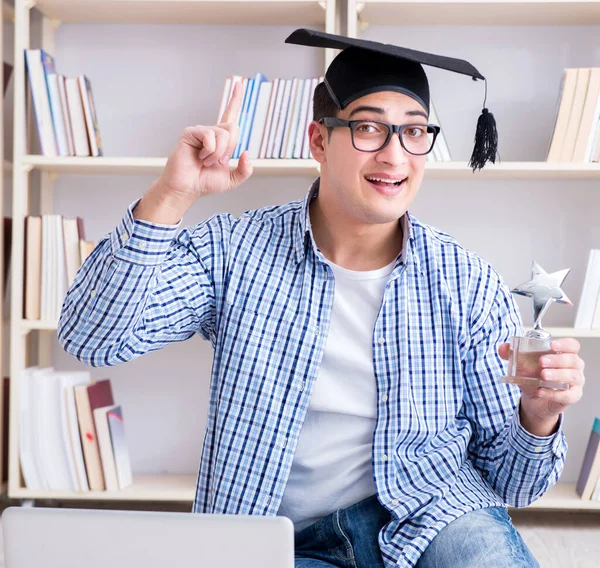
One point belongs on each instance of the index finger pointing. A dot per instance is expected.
(232, 110)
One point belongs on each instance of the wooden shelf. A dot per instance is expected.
(154, 166)
(174, 488)
(264, 12)
(434, 170)
(181, 488)
(478, 12)
(513, 170)
(563, 497)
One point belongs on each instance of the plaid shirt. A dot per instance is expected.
(448, 438)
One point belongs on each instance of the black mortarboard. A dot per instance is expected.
(365, 67)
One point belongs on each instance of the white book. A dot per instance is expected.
(80, 136)
(57, 114)
(53, 450)
(270, 119)
(281, 126)
(89, 112)
(306, 140)
(27, 431)
(589, 293)
(260, 119)
(41, 102)
(61, 266)
(291, 121)
(224, 99)
(303, 124)
(276, 118)
(66, 115)
(70, 427)
(72, 252)
(45, 309)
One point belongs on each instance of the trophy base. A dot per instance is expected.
(533, 382)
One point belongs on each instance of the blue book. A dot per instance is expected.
(58, 119)
(244, 116)
(258, 79)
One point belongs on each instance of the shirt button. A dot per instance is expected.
(384, 457)
(539, 450)
(268, 500)
(395, 502)
(302, 385)
(93, 293)
(317, 330)
(143, 245)
(384, 398)
(284, 443)
(381, 340)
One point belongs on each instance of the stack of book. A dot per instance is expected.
(588, 484)
(576, 136)
(64, 109)
(55, 248)
(588, 311)
(72, 434)
(274, 118)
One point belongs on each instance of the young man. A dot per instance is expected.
(357, 351)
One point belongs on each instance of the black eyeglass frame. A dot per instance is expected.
(332, 122)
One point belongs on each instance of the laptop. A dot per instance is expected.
(87, 538)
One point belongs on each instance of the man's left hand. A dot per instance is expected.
(540, 406)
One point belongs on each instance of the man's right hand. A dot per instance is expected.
(198, 166)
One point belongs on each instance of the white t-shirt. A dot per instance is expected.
(332, 466)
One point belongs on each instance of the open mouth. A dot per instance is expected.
(386, 185)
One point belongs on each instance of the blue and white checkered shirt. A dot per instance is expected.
(448, 438)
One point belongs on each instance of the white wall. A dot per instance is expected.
(150, 82)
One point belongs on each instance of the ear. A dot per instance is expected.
(317, 139)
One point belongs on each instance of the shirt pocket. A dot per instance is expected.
(254, 366)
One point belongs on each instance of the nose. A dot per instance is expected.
(393, 153)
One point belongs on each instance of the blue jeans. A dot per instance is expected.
(348, 539)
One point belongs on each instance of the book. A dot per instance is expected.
(41, 102)
(260, 119)
(88, 398)
(91, 117)
(77, 117)
(590, 468)
(107, 458)
(567, 93)
(58, 119)
(589, 119)
(581, 88)
(590, 292)
(116, 426)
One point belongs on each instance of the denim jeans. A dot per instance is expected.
(348, 539)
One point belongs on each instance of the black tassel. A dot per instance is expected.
(486, 141)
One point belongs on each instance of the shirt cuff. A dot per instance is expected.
(141, 242)
(537, 447)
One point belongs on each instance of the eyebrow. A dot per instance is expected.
(380, 111)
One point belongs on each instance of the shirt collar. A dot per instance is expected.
(304, 235)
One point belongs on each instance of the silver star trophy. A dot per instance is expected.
(525, 352)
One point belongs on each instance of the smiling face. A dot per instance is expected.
(351, 180)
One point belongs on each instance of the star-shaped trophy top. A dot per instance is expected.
(545, 289)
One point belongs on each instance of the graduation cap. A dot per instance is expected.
(365, 67)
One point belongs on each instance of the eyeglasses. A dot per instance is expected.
(374, 135)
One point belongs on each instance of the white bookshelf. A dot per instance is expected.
(435, 170)
(362, 14)
(54, 12)
(477, 12)
(264, 12)
(153, 166)
(171, 488)
(297, 12)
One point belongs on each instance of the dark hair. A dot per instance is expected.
(323, 104)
